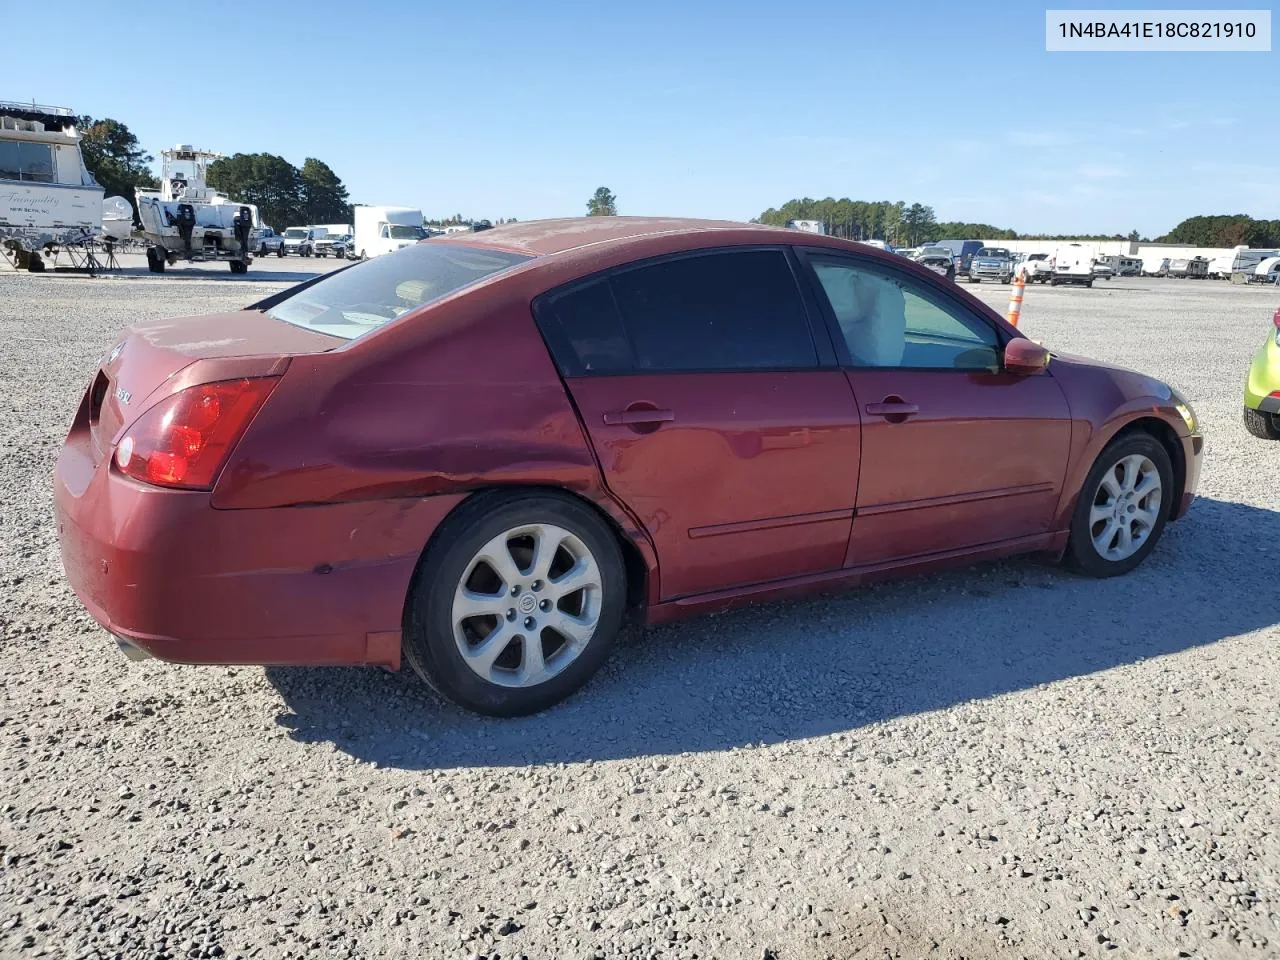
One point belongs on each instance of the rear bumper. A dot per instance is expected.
(1264, 377)
(170, 575)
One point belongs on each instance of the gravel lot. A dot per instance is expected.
(1004, 761)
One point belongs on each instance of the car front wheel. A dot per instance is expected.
(517, 602)
(1261, 424)
(1123, 507)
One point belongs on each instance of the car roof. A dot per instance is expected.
(546, 237)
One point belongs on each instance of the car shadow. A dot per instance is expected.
(215, 271)
(785, 671)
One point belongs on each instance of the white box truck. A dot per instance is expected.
(382, 230)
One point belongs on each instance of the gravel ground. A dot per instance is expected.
(1004, 761)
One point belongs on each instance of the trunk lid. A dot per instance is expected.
(149, 355)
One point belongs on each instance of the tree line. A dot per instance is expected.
(285, 195)
(896, 223)
(909, 225)
(1225, 230)
(115, 158)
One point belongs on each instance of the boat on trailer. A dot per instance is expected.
(186, 219)
(48, 197)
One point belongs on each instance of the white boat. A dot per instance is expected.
(48, 198)
(186, 219)
(117, 218)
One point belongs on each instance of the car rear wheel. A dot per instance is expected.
(517, 603)
(1263, 425)
(1123, 507)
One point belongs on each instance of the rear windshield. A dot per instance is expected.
(351, 302)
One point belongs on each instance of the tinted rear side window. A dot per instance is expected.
(737, 310)
(586, 333)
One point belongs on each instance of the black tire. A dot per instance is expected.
(36, 263)
(1053, 281)
(239, 266)
(155, 260)
(429, 644)
(1265, 426)
(1081, 555)
(1089, 283)
(279, 251)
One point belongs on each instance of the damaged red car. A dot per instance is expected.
(483, 454)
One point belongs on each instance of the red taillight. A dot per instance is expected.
(184, 439)
(1276, 319)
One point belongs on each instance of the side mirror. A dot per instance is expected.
(1025, 358)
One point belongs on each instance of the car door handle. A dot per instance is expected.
(630, 417)
(893, 409)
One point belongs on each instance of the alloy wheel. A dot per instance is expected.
(1126, 507)
(527, 605)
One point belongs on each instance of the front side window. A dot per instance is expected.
(354, 301)
(734, 310)
(888, 320)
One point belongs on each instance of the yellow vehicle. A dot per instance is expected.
(1262, 388)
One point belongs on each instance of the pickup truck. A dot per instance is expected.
(333, 244)
(991, 263)
(937, 259)
(1036, 268)
(270, 242)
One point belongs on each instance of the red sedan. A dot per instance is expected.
(487, 452)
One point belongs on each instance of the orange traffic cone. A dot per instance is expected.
(1015, 298)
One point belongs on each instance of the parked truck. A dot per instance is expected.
(380, 230)
(962, 252)
(301, 241)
